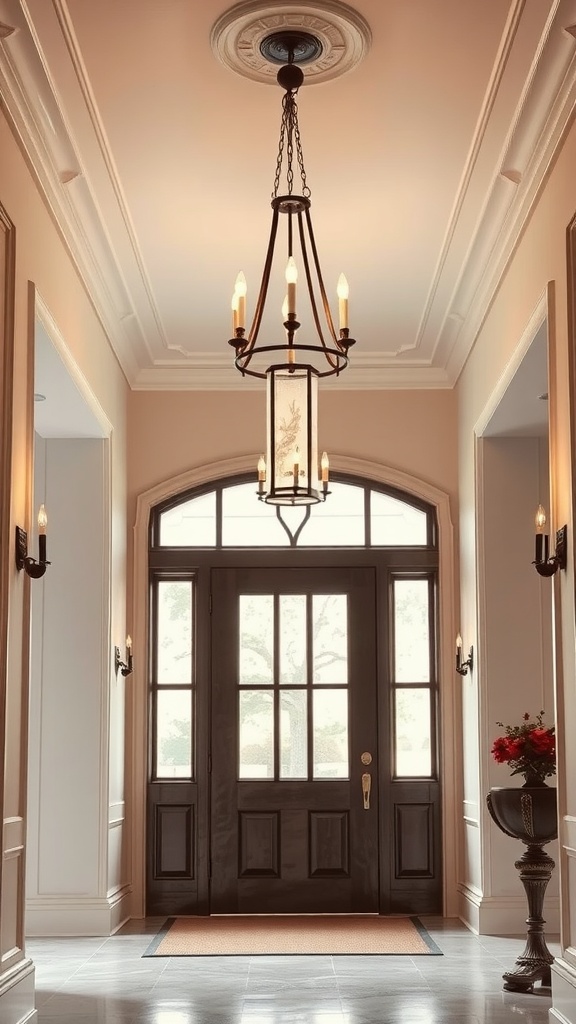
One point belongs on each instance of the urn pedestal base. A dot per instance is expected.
(529, 815)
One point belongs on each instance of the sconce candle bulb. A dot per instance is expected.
(544, 563)
(463, 666)
(125, 667)
(42, 526)
(34, 569)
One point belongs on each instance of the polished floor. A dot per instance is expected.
(106, 981)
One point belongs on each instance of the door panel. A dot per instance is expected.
(293, 710)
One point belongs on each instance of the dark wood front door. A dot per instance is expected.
(294, 777)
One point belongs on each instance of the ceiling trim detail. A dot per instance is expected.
(344, 35)
(545, 109)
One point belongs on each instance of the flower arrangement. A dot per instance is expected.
(529, 748)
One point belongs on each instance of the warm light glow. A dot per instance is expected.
(241, 287)
(324, 466)
(342, 288)
(343, 292)
(458, 642)
(240, 290)
(540, 519)
(42, 520)
(129, 644)
(261, 469)
(296, 466)
(291, 278)
(234, 307)
(291, 271)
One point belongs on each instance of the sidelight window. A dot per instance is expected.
(173, 678)
(412, 676)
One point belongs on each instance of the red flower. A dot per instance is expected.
(515, 748)
(543, 741)
(500, 750)
(528, 748)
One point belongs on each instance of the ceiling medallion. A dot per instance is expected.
(248, 38)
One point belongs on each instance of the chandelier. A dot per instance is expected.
(292, 473)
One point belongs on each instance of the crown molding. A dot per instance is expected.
(34, 110)
(219, 375)
(543, 115)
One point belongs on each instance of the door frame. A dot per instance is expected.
(137, 697)
(301, 804)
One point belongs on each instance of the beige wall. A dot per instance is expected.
(42, 259)
(171, 432)
(539, 260)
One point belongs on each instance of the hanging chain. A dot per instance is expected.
(290, 134)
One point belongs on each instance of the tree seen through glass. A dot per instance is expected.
(328, 634)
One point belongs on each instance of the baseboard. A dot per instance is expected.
(469, 901)
(17, 1000)
(53, 916)
(502, 915)
(119, 903)
(563, 993)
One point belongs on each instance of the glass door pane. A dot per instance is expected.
(297, 727)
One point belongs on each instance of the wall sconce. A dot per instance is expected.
(125, 667)
(34, 569)
(463, 666)
(545, 563)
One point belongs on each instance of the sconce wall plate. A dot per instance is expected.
(21, 547)
(562, 547)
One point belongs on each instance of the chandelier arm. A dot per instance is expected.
(311, 293)
(261, 300)
(327, 310)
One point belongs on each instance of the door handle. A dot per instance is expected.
(366, 786)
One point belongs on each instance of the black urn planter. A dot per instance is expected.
(529, 814)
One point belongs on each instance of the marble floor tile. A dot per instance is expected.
(109, 981)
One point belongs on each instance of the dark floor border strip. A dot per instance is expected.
(151, 950)
(426, 937)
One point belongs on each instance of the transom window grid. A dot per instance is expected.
(227, 515)
(293, 687)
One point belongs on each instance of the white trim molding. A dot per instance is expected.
(563, 992)
(76, 915)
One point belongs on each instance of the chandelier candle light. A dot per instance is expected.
(290, 473)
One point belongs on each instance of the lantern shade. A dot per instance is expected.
(292, 437)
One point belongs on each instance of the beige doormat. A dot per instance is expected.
(307, 935)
